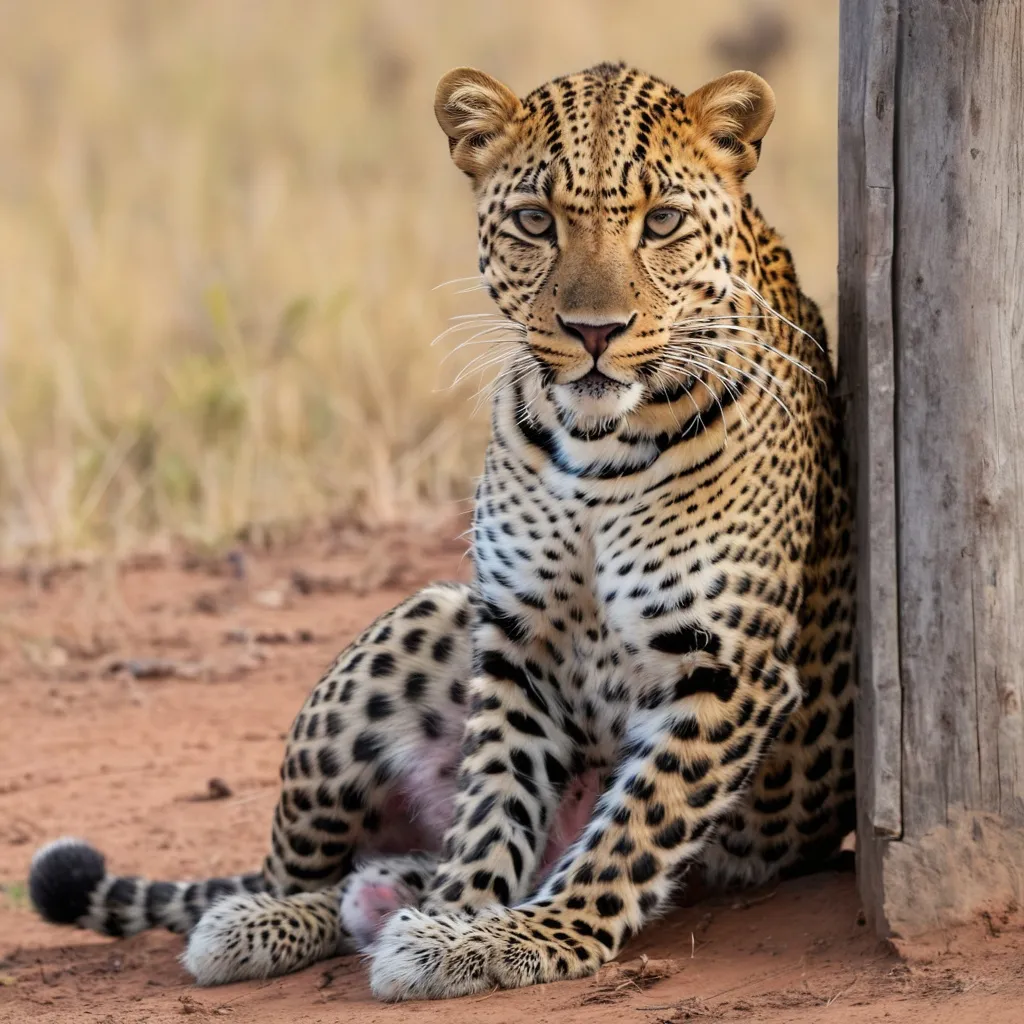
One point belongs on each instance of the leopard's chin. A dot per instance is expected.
(596, 398)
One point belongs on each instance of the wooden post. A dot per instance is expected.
(931, 295)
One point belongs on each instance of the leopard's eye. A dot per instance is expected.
(534, 222)
(662, 222)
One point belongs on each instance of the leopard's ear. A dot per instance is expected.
(735, 112)
(475, 111)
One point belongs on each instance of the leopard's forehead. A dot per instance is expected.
(605, 86)
(603, 137)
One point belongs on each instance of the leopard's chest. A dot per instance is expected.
(664, 568)
(590, 584)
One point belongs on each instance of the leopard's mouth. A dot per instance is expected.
(595, 383)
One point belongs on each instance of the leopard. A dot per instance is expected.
(648, 684)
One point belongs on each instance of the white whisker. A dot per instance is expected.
(689, 361)
(766, 305)
(689, 394)
(698, 329)
(482, 325)
(457, 280)
(723, 317)
(455, 328)
(481, 338)
(513, 372)
(760, 343)
(479, 363)
(771, 394)
(722, 346)
(477, 368)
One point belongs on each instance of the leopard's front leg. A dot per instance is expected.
(516, 760)
(683, 766)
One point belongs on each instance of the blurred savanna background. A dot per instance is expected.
(223, 224)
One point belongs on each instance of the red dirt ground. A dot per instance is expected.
(125, 694)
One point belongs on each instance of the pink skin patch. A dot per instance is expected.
(417, 816)
(572, 816)
(374, 893)
(366, 912)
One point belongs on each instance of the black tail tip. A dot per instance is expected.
(62, 878)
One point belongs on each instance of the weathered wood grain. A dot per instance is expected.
(867, 78)
(960, 368)
(932, 335)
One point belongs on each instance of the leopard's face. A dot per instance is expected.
(608, 212)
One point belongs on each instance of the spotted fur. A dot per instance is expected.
(651, 671)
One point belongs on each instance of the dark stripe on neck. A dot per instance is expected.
(698, 423)
(545, 439)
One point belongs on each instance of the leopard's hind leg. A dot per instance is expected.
(368, 776)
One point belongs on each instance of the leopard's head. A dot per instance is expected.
(609, 206)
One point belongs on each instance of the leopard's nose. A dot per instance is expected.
(596, 335)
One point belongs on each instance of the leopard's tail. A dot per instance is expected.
(69, 884)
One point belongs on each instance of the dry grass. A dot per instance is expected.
(221, 222)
